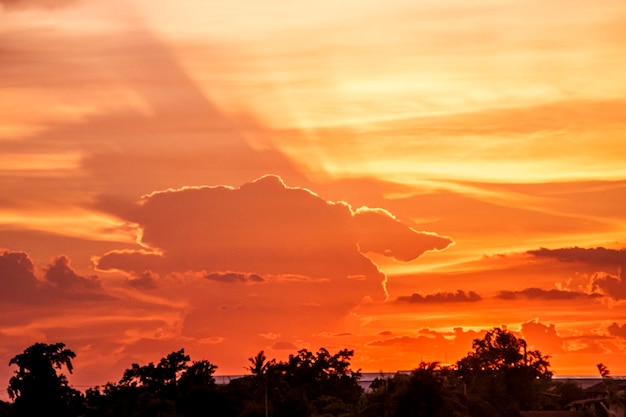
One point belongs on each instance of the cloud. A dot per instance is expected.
(231, 277)
(284, 346)
(598, 258)
(613, 286)
(61, 275)
(617, 330)
(30, 4)
(541, 336)
(442, 297)
(17, 278)
(380, 232)
(146, 280)
(534, 293)
(270, 335)
(427, 337)
(265, 227)
(134, 261)
(432, 345)
(594, 256)
(396, 341)
(19, 282)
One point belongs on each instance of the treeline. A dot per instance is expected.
(499, 378)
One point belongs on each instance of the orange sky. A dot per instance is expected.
(392, 177)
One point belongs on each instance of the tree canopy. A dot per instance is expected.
(37, 387)
(498, 378)
(503, 373)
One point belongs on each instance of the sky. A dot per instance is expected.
(395, 178)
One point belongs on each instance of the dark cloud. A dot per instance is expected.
(617, 330)
(442, 297)
(284, 346)
(534, 293)
(613, 286)
(17, 278)
(230, 277)
(395, 341)
(593, 256)
(147, 280)
(265, 227)
(19, 282)
(63, 277)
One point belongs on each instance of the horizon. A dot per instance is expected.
(392, 179)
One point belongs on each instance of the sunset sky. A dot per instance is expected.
(391, 177)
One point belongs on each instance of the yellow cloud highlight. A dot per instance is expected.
(75, 222)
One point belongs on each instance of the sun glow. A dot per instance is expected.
(497, 125)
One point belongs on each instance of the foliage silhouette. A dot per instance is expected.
(498, 378)
(307, 384)
(615, 398)
(172, 387)
(504, 373)
(37, 388)
(430, 390)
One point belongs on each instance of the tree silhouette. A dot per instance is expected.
(172, 387)
(258, 364)
(157, 378)
(503, 372)
(428, 391)
(319, 380)
(615, 398)
(500, 377)
(37, 388)
(259, 368)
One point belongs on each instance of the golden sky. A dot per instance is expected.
(392, 177)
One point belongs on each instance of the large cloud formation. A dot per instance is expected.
(267, 228)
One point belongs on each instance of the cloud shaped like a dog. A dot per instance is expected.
(265, 227)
